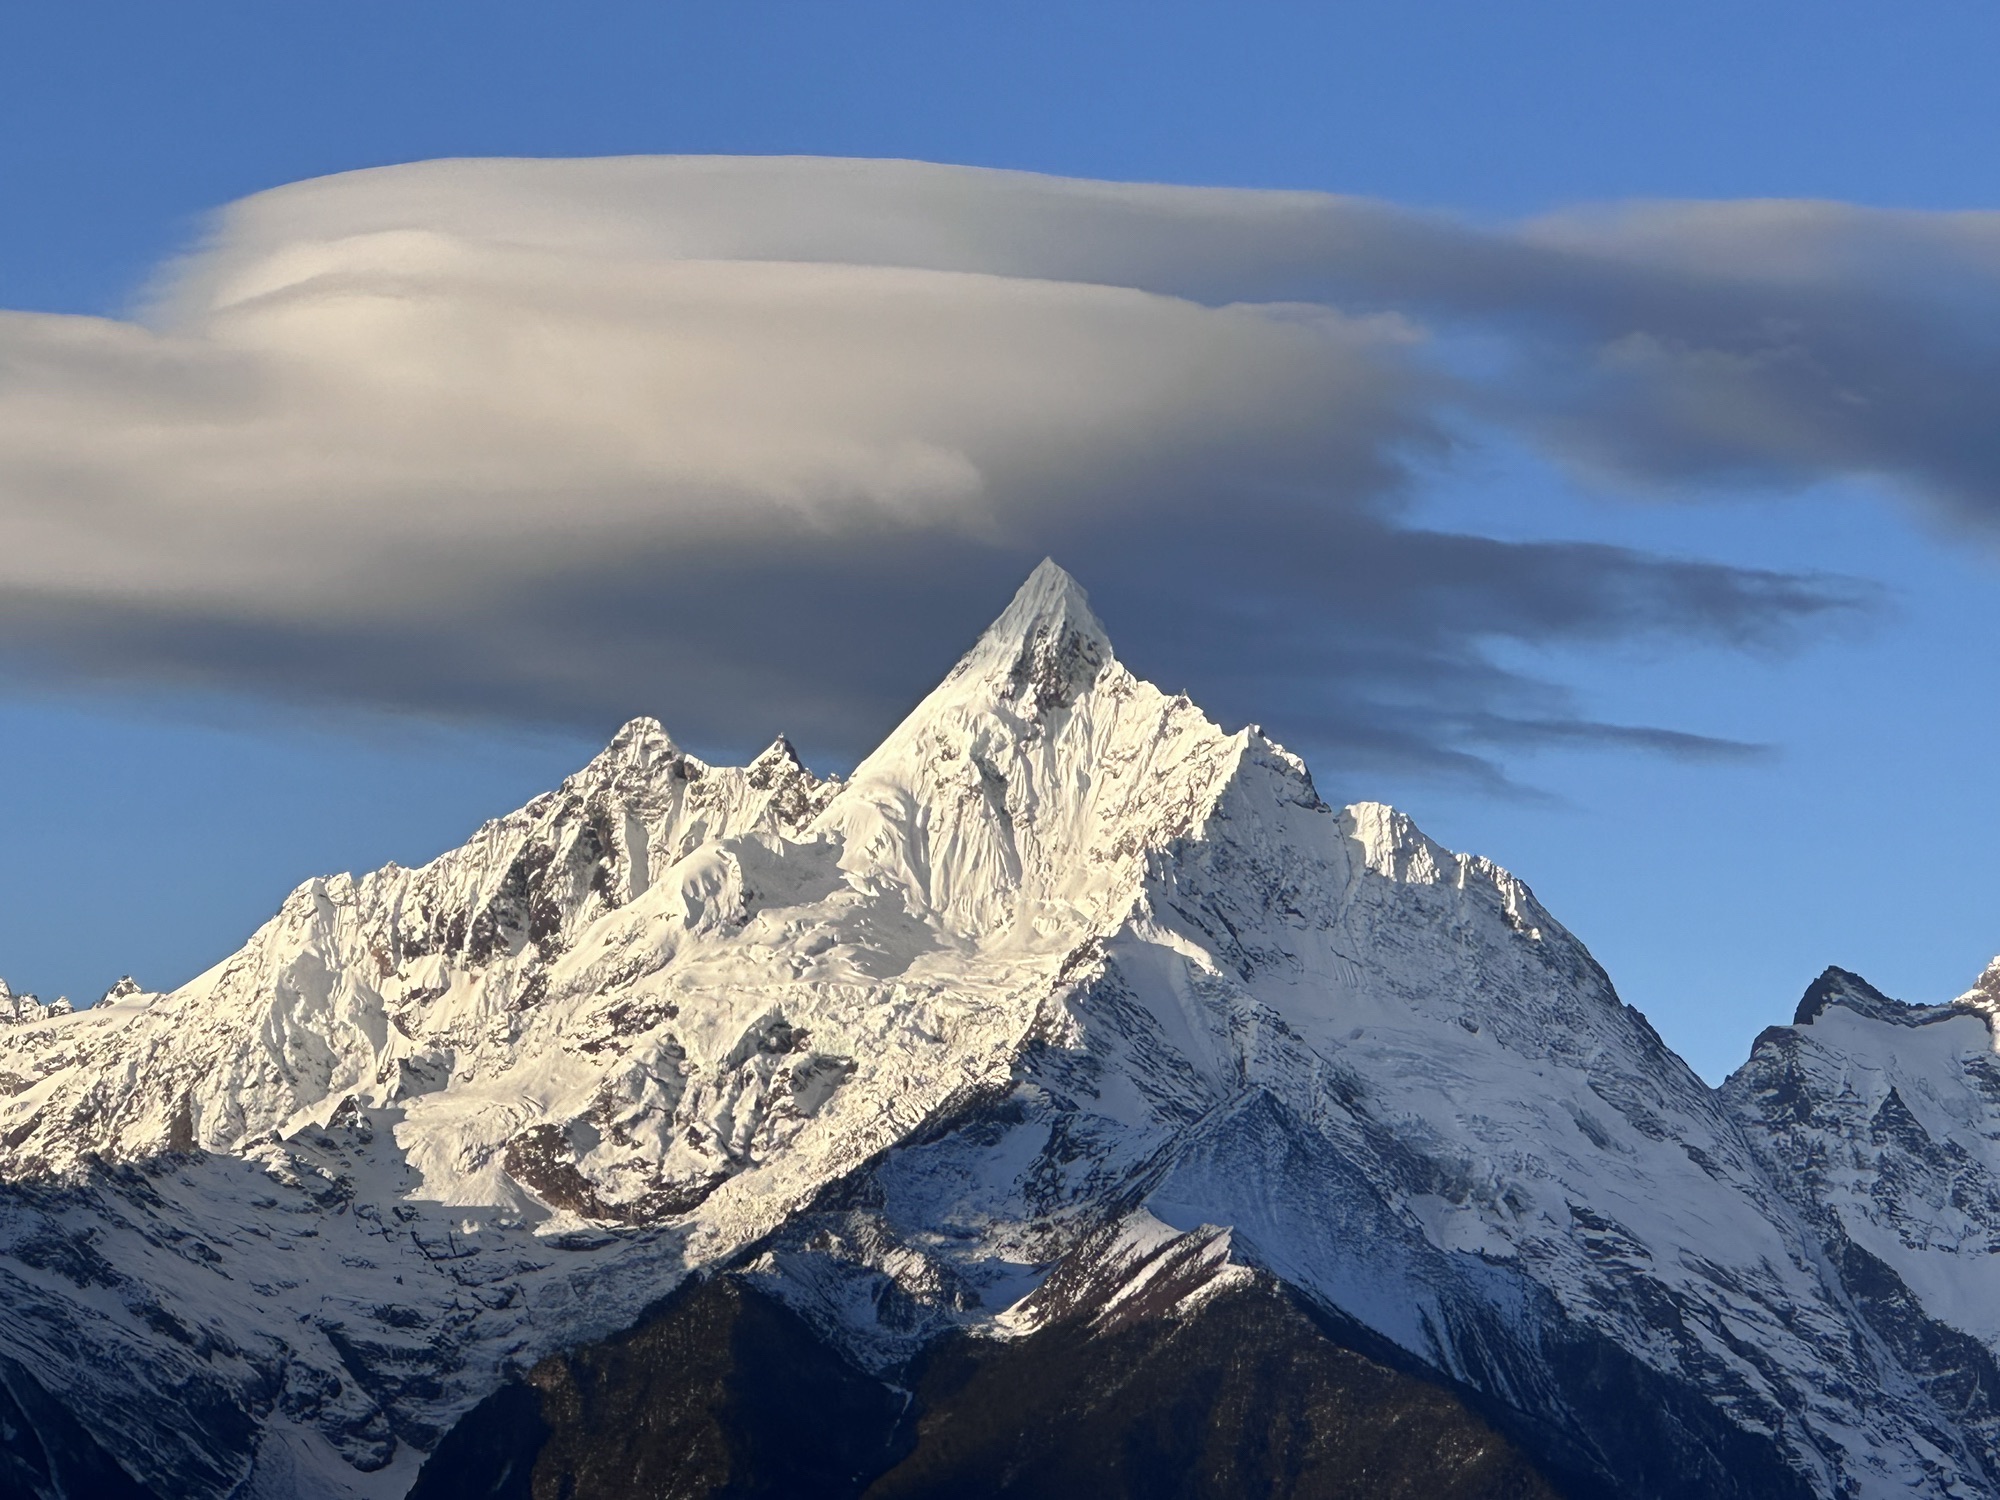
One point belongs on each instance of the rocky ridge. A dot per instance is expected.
(16, 1010)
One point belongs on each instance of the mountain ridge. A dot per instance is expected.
(1063, 988)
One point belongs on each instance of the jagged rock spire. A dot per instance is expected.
(1050, 602)
(1045, 647)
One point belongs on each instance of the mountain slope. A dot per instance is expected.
(725, 1391)
(1882, 1121)
(1064, 999)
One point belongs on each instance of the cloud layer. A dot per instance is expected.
(758, 443)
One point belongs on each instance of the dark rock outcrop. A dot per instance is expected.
(725, 1392)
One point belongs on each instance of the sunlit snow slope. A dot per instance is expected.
(1063, 989)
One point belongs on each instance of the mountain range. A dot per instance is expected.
(1067, 1102)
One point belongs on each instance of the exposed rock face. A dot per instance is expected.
(16, 1010)
(1068, 1022)
(1881, 1122)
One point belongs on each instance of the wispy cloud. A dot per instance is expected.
(759, 443)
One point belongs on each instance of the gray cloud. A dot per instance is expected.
(758, 444)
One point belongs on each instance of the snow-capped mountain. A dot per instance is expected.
(14, 1009)
(1881, 1123)
(1065, 1009)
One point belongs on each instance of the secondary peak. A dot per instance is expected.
(640, 742)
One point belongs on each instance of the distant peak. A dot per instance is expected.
(1851, 992)
(639, 742)
(640, 748)
(778, 763)
(1840, 987)
(642, 729)
(17, 1008)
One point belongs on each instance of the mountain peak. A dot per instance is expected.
(780, 752)
(639, 745)
(1850, 991)
(1049, 598)
(1048, 640)
(1836, 986)
(17, 1008)
(643, 731)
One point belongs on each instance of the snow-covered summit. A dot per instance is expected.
(1016, 805)
(16, 1009)
(1047, 641)
(1064, 974)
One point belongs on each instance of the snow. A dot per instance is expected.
(16, 1010)
(1904, 1148)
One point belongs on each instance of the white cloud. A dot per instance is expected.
(349, 408)
(730, 439)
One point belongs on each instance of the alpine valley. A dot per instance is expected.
(1068, 1103)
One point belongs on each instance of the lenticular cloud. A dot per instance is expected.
(562, 441)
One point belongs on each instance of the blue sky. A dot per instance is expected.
(153, 825)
